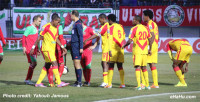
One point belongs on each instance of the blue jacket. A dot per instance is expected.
(77, 33)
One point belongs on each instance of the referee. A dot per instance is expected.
(77, 46)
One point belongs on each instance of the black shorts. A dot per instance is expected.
(75, 52)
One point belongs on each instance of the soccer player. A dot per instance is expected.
(105, 47)
(116, 37)
(86, 58)
(140, 35)
(49, 34)
(4, 44)
(28, 40)
(77, 46)
(152, 59)
(59, 57)
(184, 51)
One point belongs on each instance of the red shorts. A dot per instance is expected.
(86, 58)
(59, 56)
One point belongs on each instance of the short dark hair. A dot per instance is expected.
(102, 16)
(76, 13)
(54, 16)
(36, 17)
(138, 18)
(81, 20)
(148, 13)
(112, 17)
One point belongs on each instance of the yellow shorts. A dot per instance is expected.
(49, 56)
(153, 58)
(184, 53)
(140, 60)
(105, 56)
(117, 56)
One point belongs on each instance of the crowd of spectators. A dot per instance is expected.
(93, 3)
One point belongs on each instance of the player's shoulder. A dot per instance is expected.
(46, 25)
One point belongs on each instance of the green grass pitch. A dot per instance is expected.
(14, 68)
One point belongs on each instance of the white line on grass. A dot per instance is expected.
(142, 96)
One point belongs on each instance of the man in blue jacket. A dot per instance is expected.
(77, 46)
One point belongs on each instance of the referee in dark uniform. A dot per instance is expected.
(77, 46)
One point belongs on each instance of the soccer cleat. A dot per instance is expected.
(148, 88)
(122, 86)
(29, 82)
(138, 88)
(153, 86)
(142, 86)
(62, 84)
(77, 84)
(180, 85)
(108, 86)
(103, 84)
(40, 85)
(86, 84)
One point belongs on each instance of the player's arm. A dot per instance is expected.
(26, 33)
(80, 34)
(36, 43)
(2, 38)
(186, 67)
(92, 32)
(169, 51)
(60, 31)
(110, 41)
(127, 43)
(63, 48)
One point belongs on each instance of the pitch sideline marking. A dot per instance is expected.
(142, 96)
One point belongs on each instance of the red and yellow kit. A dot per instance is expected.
(153, 58)
(116, 38)
(3, 41)
(104, 38)
(182, 47)
(50, 34)
(140, 34)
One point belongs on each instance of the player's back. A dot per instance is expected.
(175, 44)
(140, 34)
(87, 33)
(50, 34)
(118, 35)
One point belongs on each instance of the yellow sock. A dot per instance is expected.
(137, 74)
(105, 77)
(57, 75)
(146, 77)
(142, 76)
(121, 74)
(155, 75)
(110, 76)
(179, 75)
(183, 76)
(42, 75)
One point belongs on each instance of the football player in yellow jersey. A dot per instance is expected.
(184, 51)
(141, 36)
(49, 34)
(104, 37)
(152, 59)
(116, 36)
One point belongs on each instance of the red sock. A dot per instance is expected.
(30, 73)
(50, 75)
(85, 74)
(61, 69)
(89, 72)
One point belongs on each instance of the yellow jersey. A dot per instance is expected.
(175, 44)
(140, 34)
(116, 36)
(154, 28)
(104, 36)
(50, 34)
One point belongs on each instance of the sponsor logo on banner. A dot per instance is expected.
(22, 17)
(174, 15)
